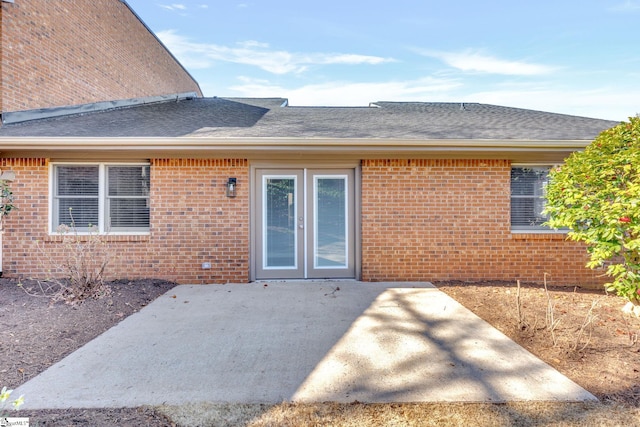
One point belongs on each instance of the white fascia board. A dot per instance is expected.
(301, 148)
(142, 143)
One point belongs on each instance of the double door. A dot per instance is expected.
(305, 224)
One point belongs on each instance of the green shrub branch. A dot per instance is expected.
(596, 194)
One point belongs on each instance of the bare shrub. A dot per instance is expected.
(80, 272)
(632, 334)
(577, 338)
(551, 322)
(520, 316)
(525, 329)
(587, 324)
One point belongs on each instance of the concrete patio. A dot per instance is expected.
(269, 342)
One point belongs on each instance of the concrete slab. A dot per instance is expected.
(270, 342)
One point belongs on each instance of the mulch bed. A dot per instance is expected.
(35, 334)
(596, 347)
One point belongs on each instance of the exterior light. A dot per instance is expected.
(231, 187)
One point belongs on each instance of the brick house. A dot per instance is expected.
(65, 56)
(217, 190)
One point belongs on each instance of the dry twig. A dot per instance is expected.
(520, 316)
(586, 323)
(550, 321)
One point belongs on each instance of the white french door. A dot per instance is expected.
(305, 223)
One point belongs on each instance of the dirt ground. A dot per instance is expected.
(592, 341)
(582, 333)
(35, 334)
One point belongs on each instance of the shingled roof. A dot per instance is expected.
(273, 118)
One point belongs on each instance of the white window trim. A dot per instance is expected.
(532, 231)
(102, 185)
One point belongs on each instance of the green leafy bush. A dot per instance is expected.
(6, 199)
(596, 194)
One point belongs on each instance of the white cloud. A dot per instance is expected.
(349, 59)
(348, 93)
(174, 6)
(627, 6)
(612, 103)
(601, 103)
(474, 61)
(203, 55)
(248, 44)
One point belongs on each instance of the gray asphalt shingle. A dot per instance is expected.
(267, 117)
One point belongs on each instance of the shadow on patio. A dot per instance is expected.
(419, 345)
(308, 341)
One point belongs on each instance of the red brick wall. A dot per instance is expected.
(421, 220)
(69, 52)
(450, 219)
(24, 226)
(2, 41)
(192, 222)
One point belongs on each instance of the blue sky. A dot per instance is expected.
(566, 56)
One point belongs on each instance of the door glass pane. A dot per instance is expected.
(331, 222)
(280, 222)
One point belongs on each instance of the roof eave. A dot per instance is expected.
(301, 148)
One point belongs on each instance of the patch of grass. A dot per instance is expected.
(403, 414)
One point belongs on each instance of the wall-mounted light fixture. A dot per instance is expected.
(231, 187)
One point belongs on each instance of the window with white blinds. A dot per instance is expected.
(112, 198)
(528, 198)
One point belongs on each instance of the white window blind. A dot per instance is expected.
(76, 197)
(113, 198)
(128, 197)
(528, 198)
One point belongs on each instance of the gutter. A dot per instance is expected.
(135, 143)
(298, 148)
